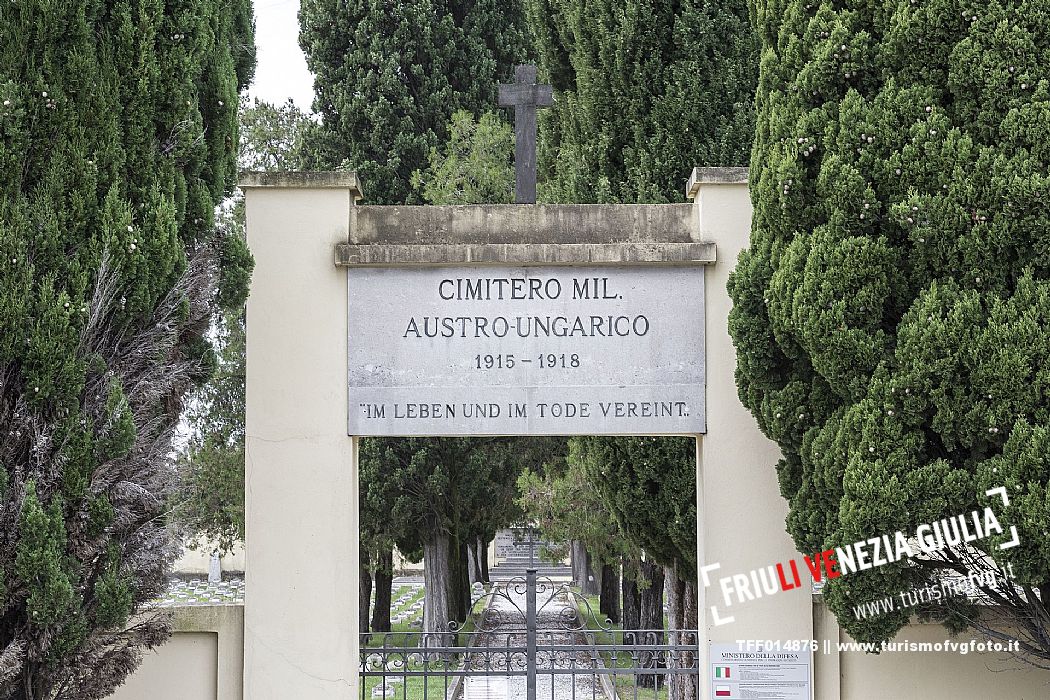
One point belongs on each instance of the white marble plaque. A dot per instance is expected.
(488, 350)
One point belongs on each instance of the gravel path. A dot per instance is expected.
(578, 686)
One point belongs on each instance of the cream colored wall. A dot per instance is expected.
(183, 669)
(203, 660)
(740, 513)
(197, 561)
(930, 675)
(300, 466)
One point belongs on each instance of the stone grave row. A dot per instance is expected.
(185, 592)
(407, 607)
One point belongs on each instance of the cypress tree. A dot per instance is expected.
(437, 496)
(117, 140)
(644, 91)
(566, 508)
(388, 76)
(890, 314)
(649, 486)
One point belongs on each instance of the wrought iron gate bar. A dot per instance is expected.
(531, 625)
(582, 670)
(509, 642)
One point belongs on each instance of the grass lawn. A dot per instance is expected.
(626, 684)
(433, 687)
(401, 633)
(412, 687)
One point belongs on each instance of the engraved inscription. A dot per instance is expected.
(536, 350)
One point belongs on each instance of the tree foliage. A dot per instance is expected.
(648, 485)
(272, 135)
(559, 498)
(563, 503)
(387, 77)
(116, 128)
(439, 495)
(474, 164)
(210, 500)
(890, 314)
(630, 501)
(209, 503)
(644, 92)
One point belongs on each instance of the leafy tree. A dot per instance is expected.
(209, 503)
(272, 135)
(387, 77)
(210, 498)
(890, 315)
(438, 495)
(380, 526)
(648, 485)
(474, 166)
(116, 125)
(644, 92)
(566, 508)
(435, 498)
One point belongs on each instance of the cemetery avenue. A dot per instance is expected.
(551, 632)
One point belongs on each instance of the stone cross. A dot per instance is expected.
(525, 96)
(532, 542)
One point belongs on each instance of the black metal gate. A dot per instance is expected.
(531, 638)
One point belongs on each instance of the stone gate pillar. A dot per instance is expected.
(301, 506)
(740, 514)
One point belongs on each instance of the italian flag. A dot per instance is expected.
(722, 691)
(721, 672)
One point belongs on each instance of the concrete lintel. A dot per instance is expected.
(331, 179)
(714, 176)
(208, 618)
(522, 223)
(380, 255)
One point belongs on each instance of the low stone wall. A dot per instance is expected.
(204, 659)
(197, 561)
(930, 675)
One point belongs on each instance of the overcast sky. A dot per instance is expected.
(281, 72)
